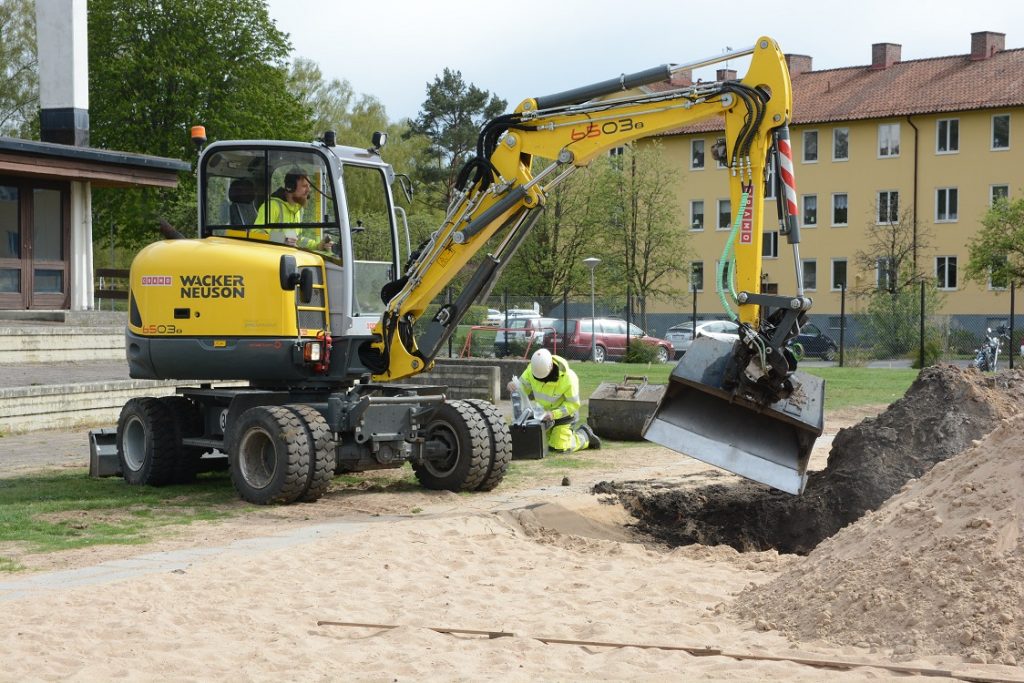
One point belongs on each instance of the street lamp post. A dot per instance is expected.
(592, 264)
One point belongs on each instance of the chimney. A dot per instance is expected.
(798, 64)
(884, 55)
(681, 78)
(725, 75)
(984, 44)
(62, 44)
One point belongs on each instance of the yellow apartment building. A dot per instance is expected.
(932, 140)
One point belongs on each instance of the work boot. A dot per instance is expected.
(594, 441)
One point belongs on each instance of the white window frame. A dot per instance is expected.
(885, 131)
(832, 273)
(889, 196)
(720, 286)
(992, 135)
(616, 151)
(947, 192)
(835, 131)
(770, 244)
(803, 211)
(939, 137)
(992, 192)
(943, 281)
(803, 147)
(769, 182)
(882, 266)
(703, 216)
(693, 155)
(832, 210)
(813, 263)
(693, 269)
(718, 214)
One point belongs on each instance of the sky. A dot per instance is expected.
(392, 49)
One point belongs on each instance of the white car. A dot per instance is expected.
(495, 318)
(681, 335)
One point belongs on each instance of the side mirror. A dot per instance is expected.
(288, 273)
(306, 285)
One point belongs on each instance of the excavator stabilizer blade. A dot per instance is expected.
(770, 444)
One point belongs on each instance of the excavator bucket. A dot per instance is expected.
(770, 444)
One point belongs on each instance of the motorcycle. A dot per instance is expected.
(987, 355)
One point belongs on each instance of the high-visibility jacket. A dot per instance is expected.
(281, 211)
(561, 398)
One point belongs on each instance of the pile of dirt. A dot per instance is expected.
(938, 569)
(942, 413)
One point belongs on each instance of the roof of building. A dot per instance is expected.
(103, 167)
(921, 86)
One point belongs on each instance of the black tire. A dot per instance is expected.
(829, 354)
(147, 444)
(662, 354)
(270, 458)
(463, 432)
(501, 443)
(187, 422)
(600, 354)
(321, 469)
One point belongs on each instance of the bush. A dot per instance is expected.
(638, 352)
(961, 341)
(932, 352)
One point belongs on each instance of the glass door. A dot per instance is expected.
(34, 244)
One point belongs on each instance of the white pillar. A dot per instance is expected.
(81, 263)
(62, 42)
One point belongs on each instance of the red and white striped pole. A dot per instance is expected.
(791, 212)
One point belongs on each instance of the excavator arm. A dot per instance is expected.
(500, 194)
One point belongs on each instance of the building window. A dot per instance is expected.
(839, 202)
(770, 244)
(810, 272)
(838, 273)
(616, 151)
(697, 214)
(840, 144)
(889, 140)
(888, 208)
(810, 214)
(998, 281)
(697, 155)
(724, 214)
(769, 182)
(697, 276)
(945, 205)
(997, 192)
(948, 132)
(885, 277)
(810, 146)
(945, 272)
(724, 285)
(1001, 131)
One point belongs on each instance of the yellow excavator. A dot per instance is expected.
(320, 316)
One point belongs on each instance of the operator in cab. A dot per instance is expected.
(285, 206)
(550, 383)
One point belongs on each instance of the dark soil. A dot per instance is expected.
(943, 411)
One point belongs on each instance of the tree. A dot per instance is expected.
(997, 250)
(19, 76)
(159, 68)
(646, 245)
(451, 118)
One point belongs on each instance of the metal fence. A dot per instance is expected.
(905, 334)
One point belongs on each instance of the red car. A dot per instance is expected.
(608, 343)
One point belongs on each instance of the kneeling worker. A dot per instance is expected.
(551, 384)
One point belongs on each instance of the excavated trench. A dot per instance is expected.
(942, 413)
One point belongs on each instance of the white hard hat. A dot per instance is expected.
(541, 363)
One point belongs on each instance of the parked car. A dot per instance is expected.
(681, 335)
(494, 318)
(608, 342)
(816, 343)
(524, 334)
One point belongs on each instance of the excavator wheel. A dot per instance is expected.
(321, 470)
(147, 443)
(270, 456)
(465, 440)
(501, 443)
(187, 422)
